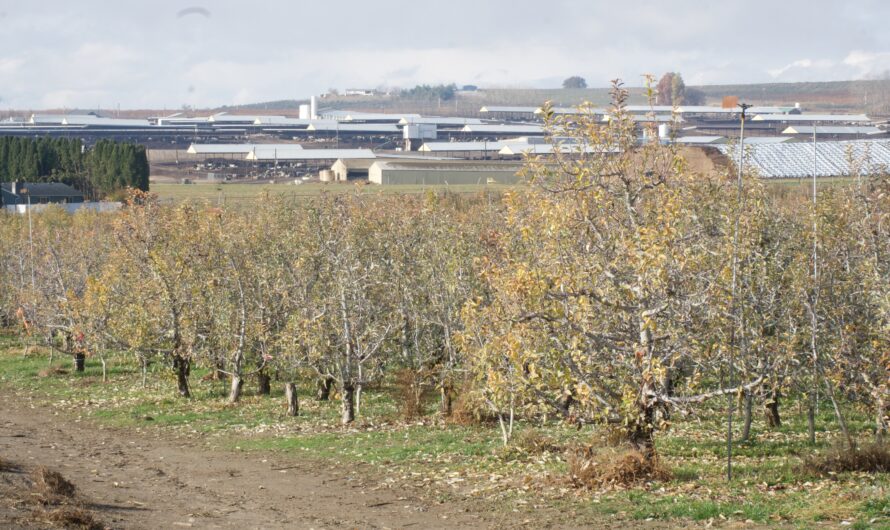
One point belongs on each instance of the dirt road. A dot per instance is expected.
(136, 480)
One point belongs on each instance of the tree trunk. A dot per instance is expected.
(447, 404)
(104, 370)
(235, 391)
(183, 369)
(880, 421)
(220, 370)
(811, 422)
(348, 403)
(746, 426)
(80, 360)
(144, 371)
(323, 387)
(293, 402)
(642, 433)
(668, 383)
(771, 410)
(264, 384)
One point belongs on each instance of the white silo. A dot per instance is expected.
(313, 108)
(304, 112)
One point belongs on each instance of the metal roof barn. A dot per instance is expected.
(372, 128)
(505, 129)
(442, 173)
(839, 118)
(262, 154)
(434, 120)
(227, 149)
(838, 130)
(795, 159)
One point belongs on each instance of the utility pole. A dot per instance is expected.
(736, 325)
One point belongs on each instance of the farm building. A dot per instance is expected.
(833, 131)
(419, 172)
(23, 193)
(261, 153)
(796, 159)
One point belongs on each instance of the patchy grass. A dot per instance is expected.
(770, 488)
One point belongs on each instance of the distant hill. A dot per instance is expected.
(872, 97)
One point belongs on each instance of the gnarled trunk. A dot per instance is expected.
(290, 395)
(746, 426)
(880, 420)
(347, 403)
(811, 422)
(264, 384)
(235, 390)
(323, 388)
(183, 368)
(80, 360)
(771, 409)
(447, 402)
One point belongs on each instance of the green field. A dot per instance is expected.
(770, 488)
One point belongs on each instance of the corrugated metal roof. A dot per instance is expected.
(437, 120)
(795, 159)
(546, 149)
(508, 109)
(206, 149)
(843, 118)
(757, 140)
(698, 140)
(504, 129)
(434, 147)
(383, 128)
(260, 153)
(93, 121)
(828, 129)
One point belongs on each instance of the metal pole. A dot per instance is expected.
(31, 241)
(735, 324)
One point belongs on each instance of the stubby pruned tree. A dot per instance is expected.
(602, 289)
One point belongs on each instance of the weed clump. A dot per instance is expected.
(52, 483)
(49, 372)
(411, 389)
(470, 409)
(595, 467)
(870, 458)
(71, 517)
(534, 442)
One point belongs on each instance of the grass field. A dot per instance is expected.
(770, 488)
(241, 193)
(225, 193)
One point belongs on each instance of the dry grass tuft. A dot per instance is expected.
(870, 458)
(592, 467)
(469, 409)
(410, 392)
(534, 442)
(71, 517)
(49, 372)
(52, 483)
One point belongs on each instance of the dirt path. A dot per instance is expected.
(146, 481)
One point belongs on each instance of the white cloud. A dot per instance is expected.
(868, 64)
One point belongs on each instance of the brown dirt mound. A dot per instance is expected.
(52, 483)
(870, 458)
(600, 467)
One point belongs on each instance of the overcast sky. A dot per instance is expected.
(167, 53)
